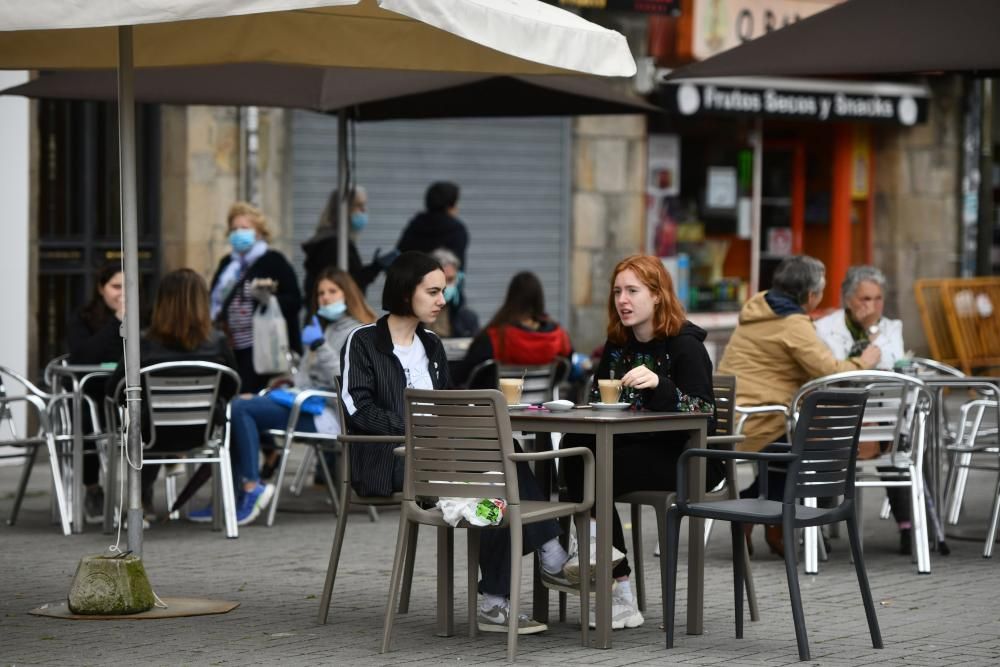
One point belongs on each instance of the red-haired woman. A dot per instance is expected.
(661, 360)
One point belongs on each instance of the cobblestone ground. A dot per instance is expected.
(950, 617)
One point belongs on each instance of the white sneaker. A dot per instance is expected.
(572, 567)
(624, 611)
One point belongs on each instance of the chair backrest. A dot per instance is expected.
(539, 381)
(825, 443)
(895, 401)
(929, 367)
(457, 445)
(184, 394)
(724, 388)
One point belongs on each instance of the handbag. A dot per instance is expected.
(313, 405)
(270, 340)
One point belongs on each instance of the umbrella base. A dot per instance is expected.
(175, 607)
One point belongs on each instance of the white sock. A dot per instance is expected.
(489, 601)
(553, 556)
(626, 589)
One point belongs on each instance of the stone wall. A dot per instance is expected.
(609, 176)
(201, 179)
(916, 209)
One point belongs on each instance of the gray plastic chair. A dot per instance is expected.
(724, 387)
(821, 462)
(459, 444)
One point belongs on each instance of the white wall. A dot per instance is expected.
(14, 175)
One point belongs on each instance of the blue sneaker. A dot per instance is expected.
(250, 505)
(203, 515)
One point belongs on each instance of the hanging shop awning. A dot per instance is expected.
(795, 99)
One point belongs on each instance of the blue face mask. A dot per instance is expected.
(242, 239)
(332, 311)
(358, 220)
(451, 293)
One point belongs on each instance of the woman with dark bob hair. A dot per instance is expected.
(521, 332)
(663, 366)
(381, 361)
(180, 330)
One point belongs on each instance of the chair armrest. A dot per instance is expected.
(302, 397)
(371, 439)
(721, 454)
(724, 441)
(588, 466)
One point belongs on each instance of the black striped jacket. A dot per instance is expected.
(372, 389)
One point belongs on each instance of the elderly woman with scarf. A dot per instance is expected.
(244, 282)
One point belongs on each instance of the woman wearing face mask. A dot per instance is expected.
(93, 338)
(521, 332)
(661, 360)
(321, 249)
(457, 320)
(381, 361)
(244, 281)
(339, 308)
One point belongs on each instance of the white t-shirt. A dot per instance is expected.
(833, 331)
(414, 360)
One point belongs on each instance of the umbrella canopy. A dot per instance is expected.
(869, 37)
(516, 36)
(368, 94)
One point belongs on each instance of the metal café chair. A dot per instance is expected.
(724, 388)
(821, 463)
(459, 444)
(182, 401)
(30, 395)
(896, 417)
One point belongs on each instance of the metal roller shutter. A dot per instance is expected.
(514, 176)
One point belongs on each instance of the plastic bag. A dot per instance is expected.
(270, 340)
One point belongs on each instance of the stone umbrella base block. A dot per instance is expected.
(175, 608)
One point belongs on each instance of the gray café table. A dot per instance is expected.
(78, 376)
(604, 425)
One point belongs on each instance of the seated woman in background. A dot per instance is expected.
(661, 360)
(380, 362)
(338, 308)
(180, 330)
(521, 332)
(93, 338)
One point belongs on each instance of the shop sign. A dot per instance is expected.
(640, 6)
(691, 98)
(722, 24)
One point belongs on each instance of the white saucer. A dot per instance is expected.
(518, 406)
(610, 406)
(559, 406)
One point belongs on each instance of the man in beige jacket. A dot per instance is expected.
(775, 350)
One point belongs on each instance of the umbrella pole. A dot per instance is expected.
(343, 224)
(130, 261)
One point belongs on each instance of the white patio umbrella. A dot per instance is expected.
(490, 36)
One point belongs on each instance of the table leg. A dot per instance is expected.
(696, 535)
(76, 494)
(543, 473)
(604, 501)
(446, 582)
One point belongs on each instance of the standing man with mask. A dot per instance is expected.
(457, 320)
(437, 226)
(321, 249)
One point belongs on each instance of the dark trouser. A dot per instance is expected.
(494, 543)
(640, 464)
(775, 477)
(250, 382)
(899, 496)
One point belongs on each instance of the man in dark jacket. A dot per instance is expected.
(437, 227)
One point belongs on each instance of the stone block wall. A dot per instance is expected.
(917, 224)
(609, 177)
(201, 179)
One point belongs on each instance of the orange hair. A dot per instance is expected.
(668, 314)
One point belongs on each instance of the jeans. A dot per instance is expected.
(251, 419)
(494, 543)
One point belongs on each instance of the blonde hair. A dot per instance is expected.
(256, 218)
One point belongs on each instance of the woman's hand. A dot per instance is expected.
(641, 377)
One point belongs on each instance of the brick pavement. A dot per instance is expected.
(950, 617)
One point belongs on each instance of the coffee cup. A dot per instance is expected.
(511, 388)
(610, 390)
